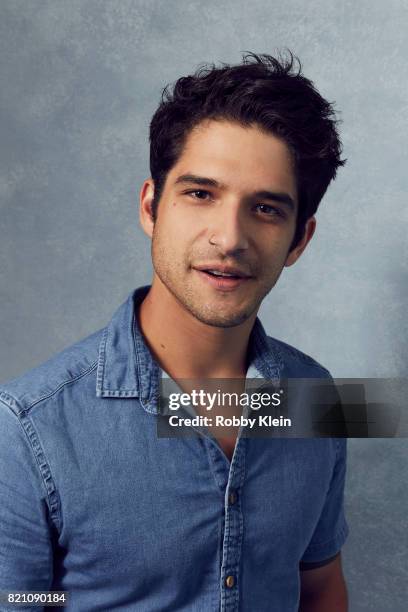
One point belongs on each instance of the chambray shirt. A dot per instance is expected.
(93, 502)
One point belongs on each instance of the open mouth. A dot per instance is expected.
(217, 274)
(224, 281)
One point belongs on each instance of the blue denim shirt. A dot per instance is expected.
(94, 503)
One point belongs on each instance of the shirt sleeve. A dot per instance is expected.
(25, 540)
(331, 530)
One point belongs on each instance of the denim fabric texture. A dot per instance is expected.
(94, 503)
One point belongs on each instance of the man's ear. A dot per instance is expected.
(145, 207)
(295, 253)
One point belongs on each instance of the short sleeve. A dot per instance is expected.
(25, 542)
(331, 530)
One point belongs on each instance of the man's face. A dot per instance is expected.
(225, 221)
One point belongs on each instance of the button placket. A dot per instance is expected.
(233, 533)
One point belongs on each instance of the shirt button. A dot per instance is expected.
(232, 498)
(230, 581)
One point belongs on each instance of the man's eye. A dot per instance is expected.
(268, 210)
(199, 194)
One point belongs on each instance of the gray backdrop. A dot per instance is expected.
(79, 82)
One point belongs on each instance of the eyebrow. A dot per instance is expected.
(203, 181)
(199, 180)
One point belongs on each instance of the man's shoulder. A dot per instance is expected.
(295, 363)
(66, 367)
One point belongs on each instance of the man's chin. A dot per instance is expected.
(213, 314)
(223, 320)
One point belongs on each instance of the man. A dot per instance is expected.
(93, 502)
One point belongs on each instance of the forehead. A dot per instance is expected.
(244, 158)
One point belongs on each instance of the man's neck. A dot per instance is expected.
(187, 348)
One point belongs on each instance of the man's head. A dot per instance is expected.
(262, 91)
(240, 159)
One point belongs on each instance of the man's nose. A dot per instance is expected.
(228, 231)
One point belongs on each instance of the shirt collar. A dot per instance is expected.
(126, 367)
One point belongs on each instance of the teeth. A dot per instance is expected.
(217, 273)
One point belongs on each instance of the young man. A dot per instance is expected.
(93, 502)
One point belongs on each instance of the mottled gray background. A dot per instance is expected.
(79, 81)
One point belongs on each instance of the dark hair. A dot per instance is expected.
(262, 91)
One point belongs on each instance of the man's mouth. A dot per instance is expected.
(221, 274)
(223, 271)
(224, 278)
